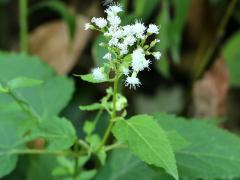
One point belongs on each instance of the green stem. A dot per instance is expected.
(214, 45)
(43, 152)
(23, 8)
(76, 166)
(113, 115)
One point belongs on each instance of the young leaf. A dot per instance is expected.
(89, 78)
(23, 82)
(148, 141)
(212, 153)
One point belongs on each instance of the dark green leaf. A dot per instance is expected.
(148, 141)
(211, 153)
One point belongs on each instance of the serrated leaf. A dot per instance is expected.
(59, 133)
(89, 78)
(92, 107)
(148, 141)
(212, 153)
(23, 82)
(232, 56)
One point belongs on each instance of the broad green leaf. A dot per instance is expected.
(232, 56)
(148, 141)
(212, 153)
(23, 66)
(61, 9)
(59, 133)
(23, 82)
(89, 78)
(50, 98)
(91, 107)
(9, 141)
(122, 165)
(177, 141)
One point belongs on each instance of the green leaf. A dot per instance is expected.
(232, 55)
(50, 98)
(61, 9)
(59, 133)
(148, 141)
(2, 89)
(122, 165)
(211, 153)
(89, 78)
(9, 140)
(88, 127)
(92, 107)
(23, 66)
(177, 141)
(23, 82)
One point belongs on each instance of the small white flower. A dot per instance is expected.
(125, 71)
(113, 42)
(98, 74)
(123, 48)
(108, 56)
(100, 22)
(114, 9)
(132, 82)
(87, 26)
(153, 29)
(129, 40)
(114, 20)
(128, 30)
(139, 29)
(157, 55)
(139, 62)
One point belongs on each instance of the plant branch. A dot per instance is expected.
(113, 115)
(23, 8)
(218, 37)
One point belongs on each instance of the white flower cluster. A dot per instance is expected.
(126, 44)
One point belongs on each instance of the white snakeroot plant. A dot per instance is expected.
(127, 44)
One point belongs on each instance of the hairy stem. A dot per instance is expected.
(219, 35)
(23, 9)
(113, 115)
